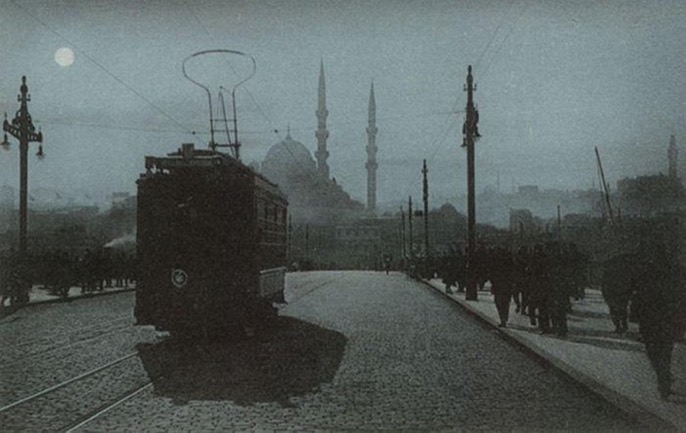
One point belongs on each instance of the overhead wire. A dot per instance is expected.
(490, 41)
(103, 68)
(198, 127)
(507, 35)
(111, 127)
(298, 163)
(436, 144)
(192, 9)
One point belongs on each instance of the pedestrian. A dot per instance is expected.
(540, 290)
(502, 283)
(617, 288)
(657, 299)
(449, 271)
(561, 284)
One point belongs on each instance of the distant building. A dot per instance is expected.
(525, 227)
(528, 190)
(313, 198)
(123, 200)
(649, 195)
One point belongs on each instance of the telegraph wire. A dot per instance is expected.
(198, 130)
(128, 128)
(103, 68)
(436, 143)
(298, 164)
(257, 104)
(502, 42)
(483, 74)
(502, 20)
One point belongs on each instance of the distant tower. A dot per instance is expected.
(672, 154)
(322, 133)
(371, 153)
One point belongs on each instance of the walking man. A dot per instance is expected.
(657, 299)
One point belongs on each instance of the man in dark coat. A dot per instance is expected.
(561, 283)
(657, 299)
(540, 288)
(502, 283)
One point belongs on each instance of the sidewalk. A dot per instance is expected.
(612, 365)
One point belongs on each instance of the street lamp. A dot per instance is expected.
(23, 130)
(5, 144)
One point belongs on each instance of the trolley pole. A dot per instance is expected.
(470, 131)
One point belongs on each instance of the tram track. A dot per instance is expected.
(64, 335)
(27, 354)
(102, 410)
(73, 403)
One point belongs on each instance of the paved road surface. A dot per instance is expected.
(356, 351)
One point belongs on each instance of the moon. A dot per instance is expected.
(64, 56)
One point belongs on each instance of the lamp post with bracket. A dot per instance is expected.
(22, 128)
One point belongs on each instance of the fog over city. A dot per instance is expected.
(554, 80)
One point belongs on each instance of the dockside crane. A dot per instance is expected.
(606, 191)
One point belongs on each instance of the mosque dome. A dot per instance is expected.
(448, 210)
(286, 158)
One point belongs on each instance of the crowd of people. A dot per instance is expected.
(543, 279)
(58, 271)
(540, 280)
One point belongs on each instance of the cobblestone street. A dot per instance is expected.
(354, 351)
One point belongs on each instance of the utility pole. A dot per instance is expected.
(470, 132)
(409, 223)
(425, 190)
(402, 233)
(289, 238)
(23, 130)
(307, 244)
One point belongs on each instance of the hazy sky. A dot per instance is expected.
(554, 79)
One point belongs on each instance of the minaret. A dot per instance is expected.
(672, 154)
(371, 153)
(322, 133)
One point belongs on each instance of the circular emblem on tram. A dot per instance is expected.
(179, 278)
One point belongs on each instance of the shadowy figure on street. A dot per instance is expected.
(520, 286)
(617, 288)
(562, 286)
(539, 290)
(502, 283)
(657, 301)
(453, 271)
(15, 278)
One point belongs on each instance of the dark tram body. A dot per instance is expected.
(211, 240)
